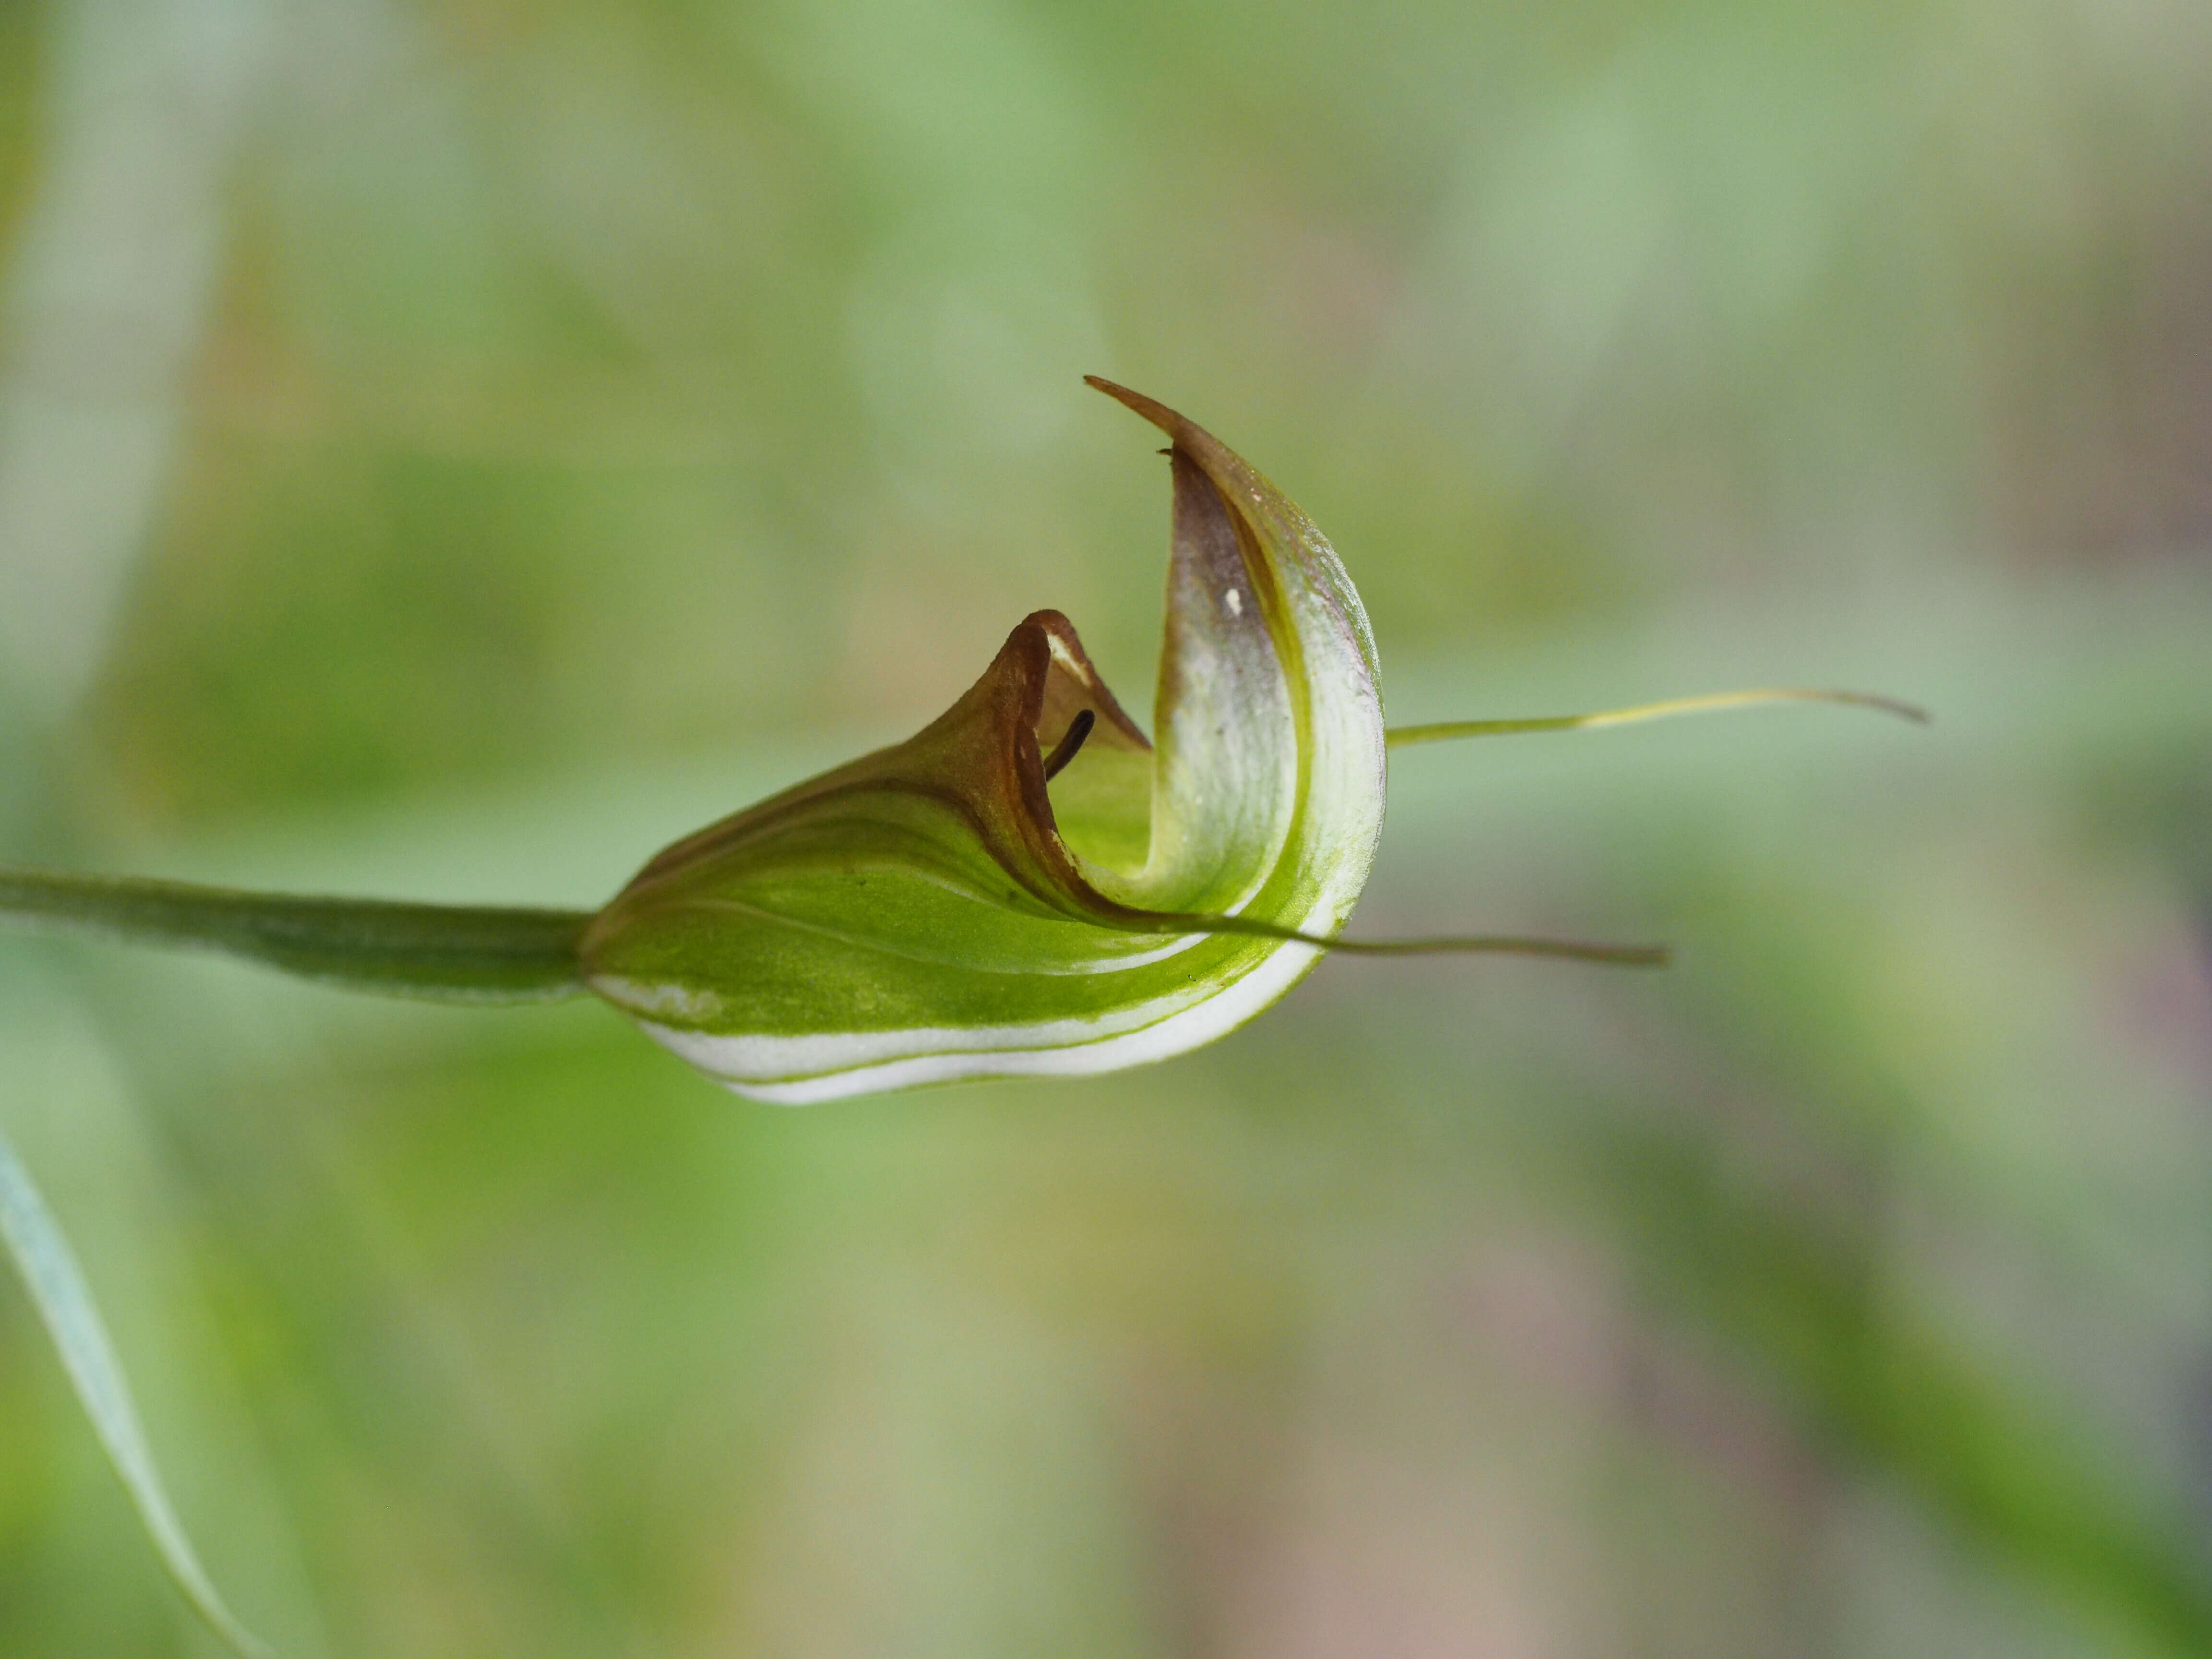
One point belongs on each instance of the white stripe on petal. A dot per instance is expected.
(801, 1071)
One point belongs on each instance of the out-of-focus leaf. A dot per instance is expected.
(65, 1302)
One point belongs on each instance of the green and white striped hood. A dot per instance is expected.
(943, 908)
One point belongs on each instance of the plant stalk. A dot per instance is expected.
(443, 952)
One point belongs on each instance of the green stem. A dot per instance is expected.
(449, 953)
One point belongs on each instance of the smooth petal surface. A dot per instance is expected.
(938, 910)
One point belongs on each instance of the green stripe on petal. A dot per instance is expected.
(936, 910)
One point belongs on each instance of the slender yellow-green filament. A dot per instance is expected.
(1441, 944)
(1399, 737)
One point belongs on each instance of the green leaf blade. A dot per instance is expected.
(65, 1304)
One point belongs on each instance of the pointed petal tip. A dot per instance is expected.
(1173, 424)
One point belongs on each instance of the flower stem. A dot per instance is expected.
(448, 953)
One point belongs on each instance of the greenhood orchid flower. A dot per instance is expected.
(1027, 885)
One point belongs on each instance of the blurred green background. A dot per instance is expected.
(449, 448)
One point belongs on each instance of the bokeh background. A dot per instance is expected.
(449, 448)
